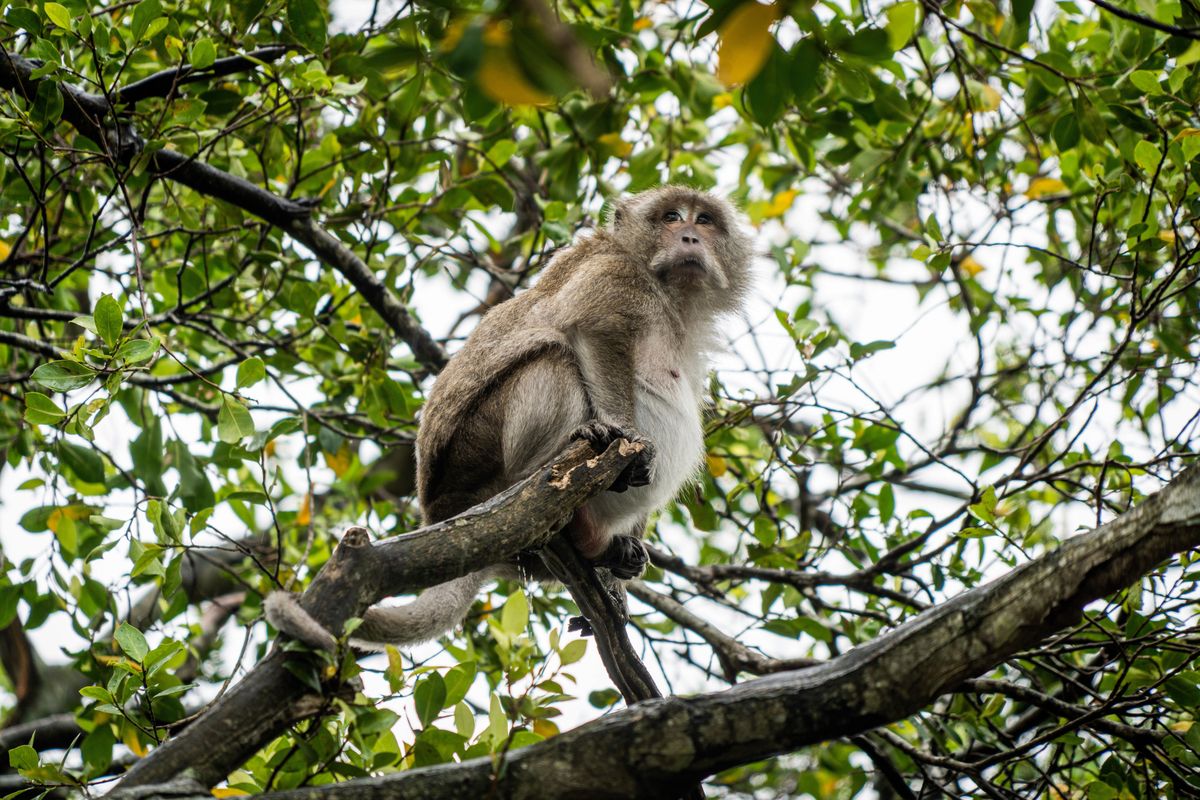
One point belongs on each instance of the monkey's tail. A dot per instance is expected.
(435, 611)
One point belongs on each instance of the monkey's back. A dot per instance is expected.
(460, 442)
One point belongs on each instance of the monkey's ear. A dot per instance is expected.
(619, 214)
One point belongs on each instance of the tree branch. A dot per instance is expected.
(658, 748)
(93, 117)
(1148, 22)
(164, 83)
(270, 697)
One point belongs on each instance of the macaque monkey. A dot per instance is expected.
(610, 342)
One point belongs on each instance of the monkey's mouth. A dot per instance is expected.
(689, 269)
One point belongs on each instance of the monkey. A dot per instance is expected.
(611, 341)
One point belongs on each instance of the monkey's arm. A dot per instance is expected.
(604, 313)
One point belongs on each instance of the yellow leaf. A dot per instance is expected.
(545, 728)
(1167, 236)
(746, 42)
(641, 23)
(304, 516)
(1187, 133)
(716, 465)
(454, 34)
(1181, 727)
(971, 266)
(269, 448)
(615, 144)
(71, 513)
(5, 249)
(990, 98)
(130, 737)
(497, 33)
(502, 80)
(1040, 187)
(228, 791)
(339, 462)
(781, 203)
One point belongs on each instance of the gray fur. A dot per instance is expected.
(615, 331)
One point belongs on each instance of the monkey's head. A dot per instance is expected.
(692, 241)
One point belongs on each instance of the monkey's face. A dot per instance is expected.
(690, 240)
(687, 236)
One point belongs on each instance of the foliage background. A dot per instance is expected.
(974, 333)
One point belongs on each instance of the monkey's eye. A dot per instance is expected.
(704, 219)
(671, 216)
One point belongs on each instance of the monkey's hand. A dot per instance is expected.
(625, 557)
(601, 434)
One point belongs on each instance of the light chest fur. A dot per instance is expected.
(668, 402)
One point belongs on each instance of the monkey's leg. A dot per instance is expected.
(601, 434)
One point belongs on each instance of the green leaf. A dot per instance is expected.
(97, 749)
(108, 318)
(1187, 58)
(858, 350)
(464, 720)
(497, 722)
(1184, 689)
(23, 757)
(500, 153)
(204, 53)
(1148, 82)
(143, 14)
(429, 697)
(458, 681)
(1066, 131)
(137, 350)
(147, 454)
(250, 372)
(63, 376)
(514, 617)
(985, 509)
(1147, 155)
(47, 104)
(805, 70)
(83, 461)
(1093, 126)
(132, 642)
(58, 14)
(308, 24)
(41, 410)
(887, 502)
(902, 21)
(194, 491)
(768, 92)
(572, 651)
(233, 421)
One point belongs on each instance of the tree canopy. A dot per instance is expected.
(943, 542)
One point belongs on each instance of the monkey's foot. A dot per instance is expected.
(625, 557)
(601, 434)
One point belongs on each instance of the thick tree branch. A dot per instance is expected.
(164, 83)
(93, 117)
(270, 697)
(657, 748)
(606, 616)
